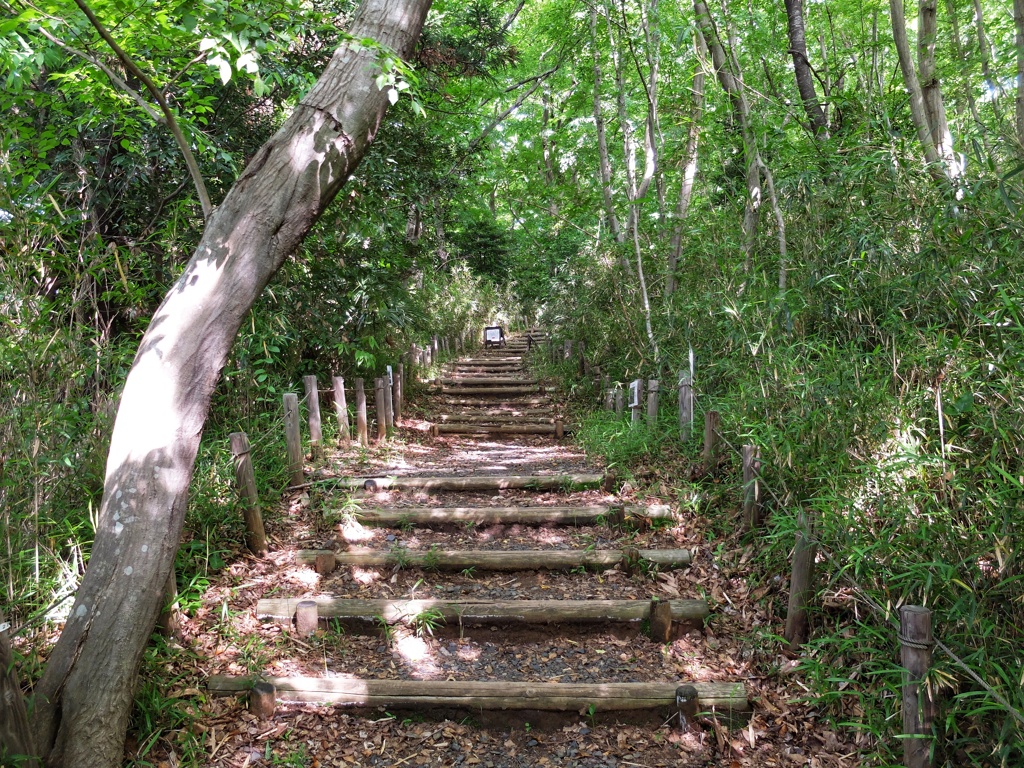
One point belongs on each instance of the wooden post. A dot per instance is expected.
(567, 350)
(263, 699)
(435, 348)
(559, 429)
(325, 563)
(919, 705)
(581, 349)
(620, 401)
(653, 387)
(800, 584)
(712, 423)
(661, 621)
(292, 437)
(389, 403)
(378, 400)
(609, 399)
(341, 408)
(751, 487)
(361, 431)
(168, 623)
(399, 384)
(685, 406)
(636, 405)
(306, 618)
(245, 479)
(316, 435)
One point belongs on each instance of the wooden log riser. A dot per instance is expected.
(489, 560)
(473, 612)
(478, 483)
(511, 695)
(497, 429)
(594, 515)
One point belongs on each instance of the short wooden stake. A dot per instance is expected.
(306, 618)
(620, 401)
(316, 435)
(712, 424)
(919, 704)
(687, 705)
(685, 406)
(341, 409)
(634, 410)
(399, 384)
(245, 480)
(263, 700)
(751, 487)
(609, 399)
(559, 429)
(382, 418)
(661, 621)
(325, 563)
(631, 560)
(800, 584)
(168, 623)
(567, 350)
(292, 437)
(653, 388)
(361, 430)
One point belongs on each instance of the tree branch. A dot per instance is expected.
(158, 96)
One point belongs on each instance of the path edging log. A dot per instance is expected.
(494, 560)
(474, 482)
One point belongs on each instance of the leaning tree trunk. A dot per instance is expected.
(82, 703)
(913, 85)
(602, 140)
(1018, 21)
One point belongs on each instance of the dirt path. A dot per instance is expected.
(230, 639)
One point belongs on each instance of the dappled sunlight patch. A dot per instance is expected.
(363, 576)
(352, 531)
(417, 656)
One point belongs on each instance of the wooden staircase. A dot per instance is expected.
(493, 396)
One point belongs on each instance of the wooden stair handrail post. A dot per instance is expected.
(653, 388)
(712, 424)
(245, 480)
(341, 409)
(919, 705)
(801, 582)
(292, 436)
(382, 419)
(751, 487)
(399, 387)
(685, 406)
(361, 430)
(316, 435)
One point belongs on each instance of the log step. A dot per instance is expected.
(492, 391)
(508, 417)
(489, 381)
(478, 402)
(476, 482)
(592, 515)
(498, 429)
(471, 694)
(502, 560)
(691, 612)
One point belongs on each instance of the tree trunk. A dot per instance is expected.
(84, 699)
(910, 82)
(728, 74)
(689, 166)
(602, 140)
(931, 90)
(802, 67)
(1018, 21)
(965, 68)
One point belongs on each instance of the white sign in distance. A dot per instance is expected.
(493, 334)
(634, 393)
(391, 377)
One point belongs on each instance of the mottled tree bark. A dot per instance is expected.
(931, 90)
(83, 701)
(602, 139)
(911, 83)
(1018, 21)
(802, 68)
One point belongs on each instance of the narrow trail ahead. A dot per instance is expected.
(478, 596)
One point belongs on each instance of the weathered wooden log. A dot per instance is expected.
(292, 437)
(316, 435)
(919, 702)
(398, 393)
(475, 483)
(341, 409)
(382, 419)
(389, 404)
(691, 612)
(517, 403)
(245, 480)
(561, 429)
(620, 401)
(592, 515)
(263, 699)
(471, 694)
(491, 391)
(661, 621)
(307, 616)
(508, 411)
(801, 584)
(653, 388)
(494, 560)
(489, 381)
(498, 417)
(496, 429)
(751, 487)
(361, 429)
(635, 405)
(712, 425)
(685, 406)
(324, 561)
